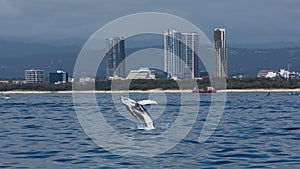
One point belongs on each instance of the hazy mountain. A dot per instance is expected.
(275, 45)
(50, 62)
(10, 49)
(250, 61)
(15, 57)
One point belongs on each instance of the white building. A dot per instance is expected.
(4, 81)
(284, 73)
(142, 73)
(18, 81)
(267, 74)
(180, 59)
(34, 76)
(172, 54)
(221, 66)
(287, 74)
(86, 80)
(190, 49)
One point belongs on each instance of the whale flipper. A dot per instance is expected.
(147, 102)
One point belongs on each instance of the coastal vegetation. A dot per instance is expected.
(162, 84)
(263, 83)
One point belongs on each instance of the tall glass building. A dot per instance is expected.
(221, 53)
(180, 58)
(115, 57)
(190, 48)
(172, 54)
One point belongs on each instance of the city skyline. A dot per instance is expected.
(219, 45)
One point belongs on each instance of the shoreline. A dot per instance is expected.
(149, 91)
(258, 90)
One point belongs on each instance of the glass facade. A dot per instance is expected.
(181, 60)
(115, 57)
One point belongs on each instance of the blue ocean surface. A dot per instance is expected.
(256, 131)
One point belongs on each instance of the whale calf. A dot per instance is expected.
(138, 111)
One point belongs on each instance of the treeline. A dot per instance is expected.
(163, 84)
(255, 83)
(36, 87)
(140, 84)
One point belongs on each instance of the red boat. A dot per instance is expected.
(208, 90)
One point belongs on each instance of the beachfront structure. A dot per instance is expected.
(267, 74)
(221, 65)
(58, 77)
(18, 82)
(115, 57)
(86, 80)
(288, 74)
(34, 76)
(142, 73)
(282, 73)
(4, 81)
(180, 58)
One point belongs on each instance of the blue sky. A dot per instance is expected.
(246, 21)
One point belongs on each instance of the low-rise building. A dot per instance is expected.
(58, 77)
(267, 74)
(142, 73)
(34, 76)
(86, 80)
(19, 82)
(288, 75)
(4, 81)
(115, 77)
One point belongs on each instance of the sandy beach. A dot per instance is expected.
(151, 91)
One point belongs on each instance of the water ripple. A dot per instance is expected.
(42, 131)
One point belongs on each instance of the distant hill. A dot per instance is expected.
(11, 49)
(15, 57)
(250, 61)
(274, 45)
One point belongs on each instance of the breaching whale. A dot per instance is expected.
(138, 111)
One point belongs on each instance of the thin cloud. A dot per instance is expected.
(246, 21)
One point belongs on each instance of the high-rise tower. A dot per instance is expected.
(172, 54)
(190, 49)
(180, 54)
(221, 53)
(115, 57)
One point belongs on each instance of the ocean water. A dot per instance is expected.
(256, 131)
